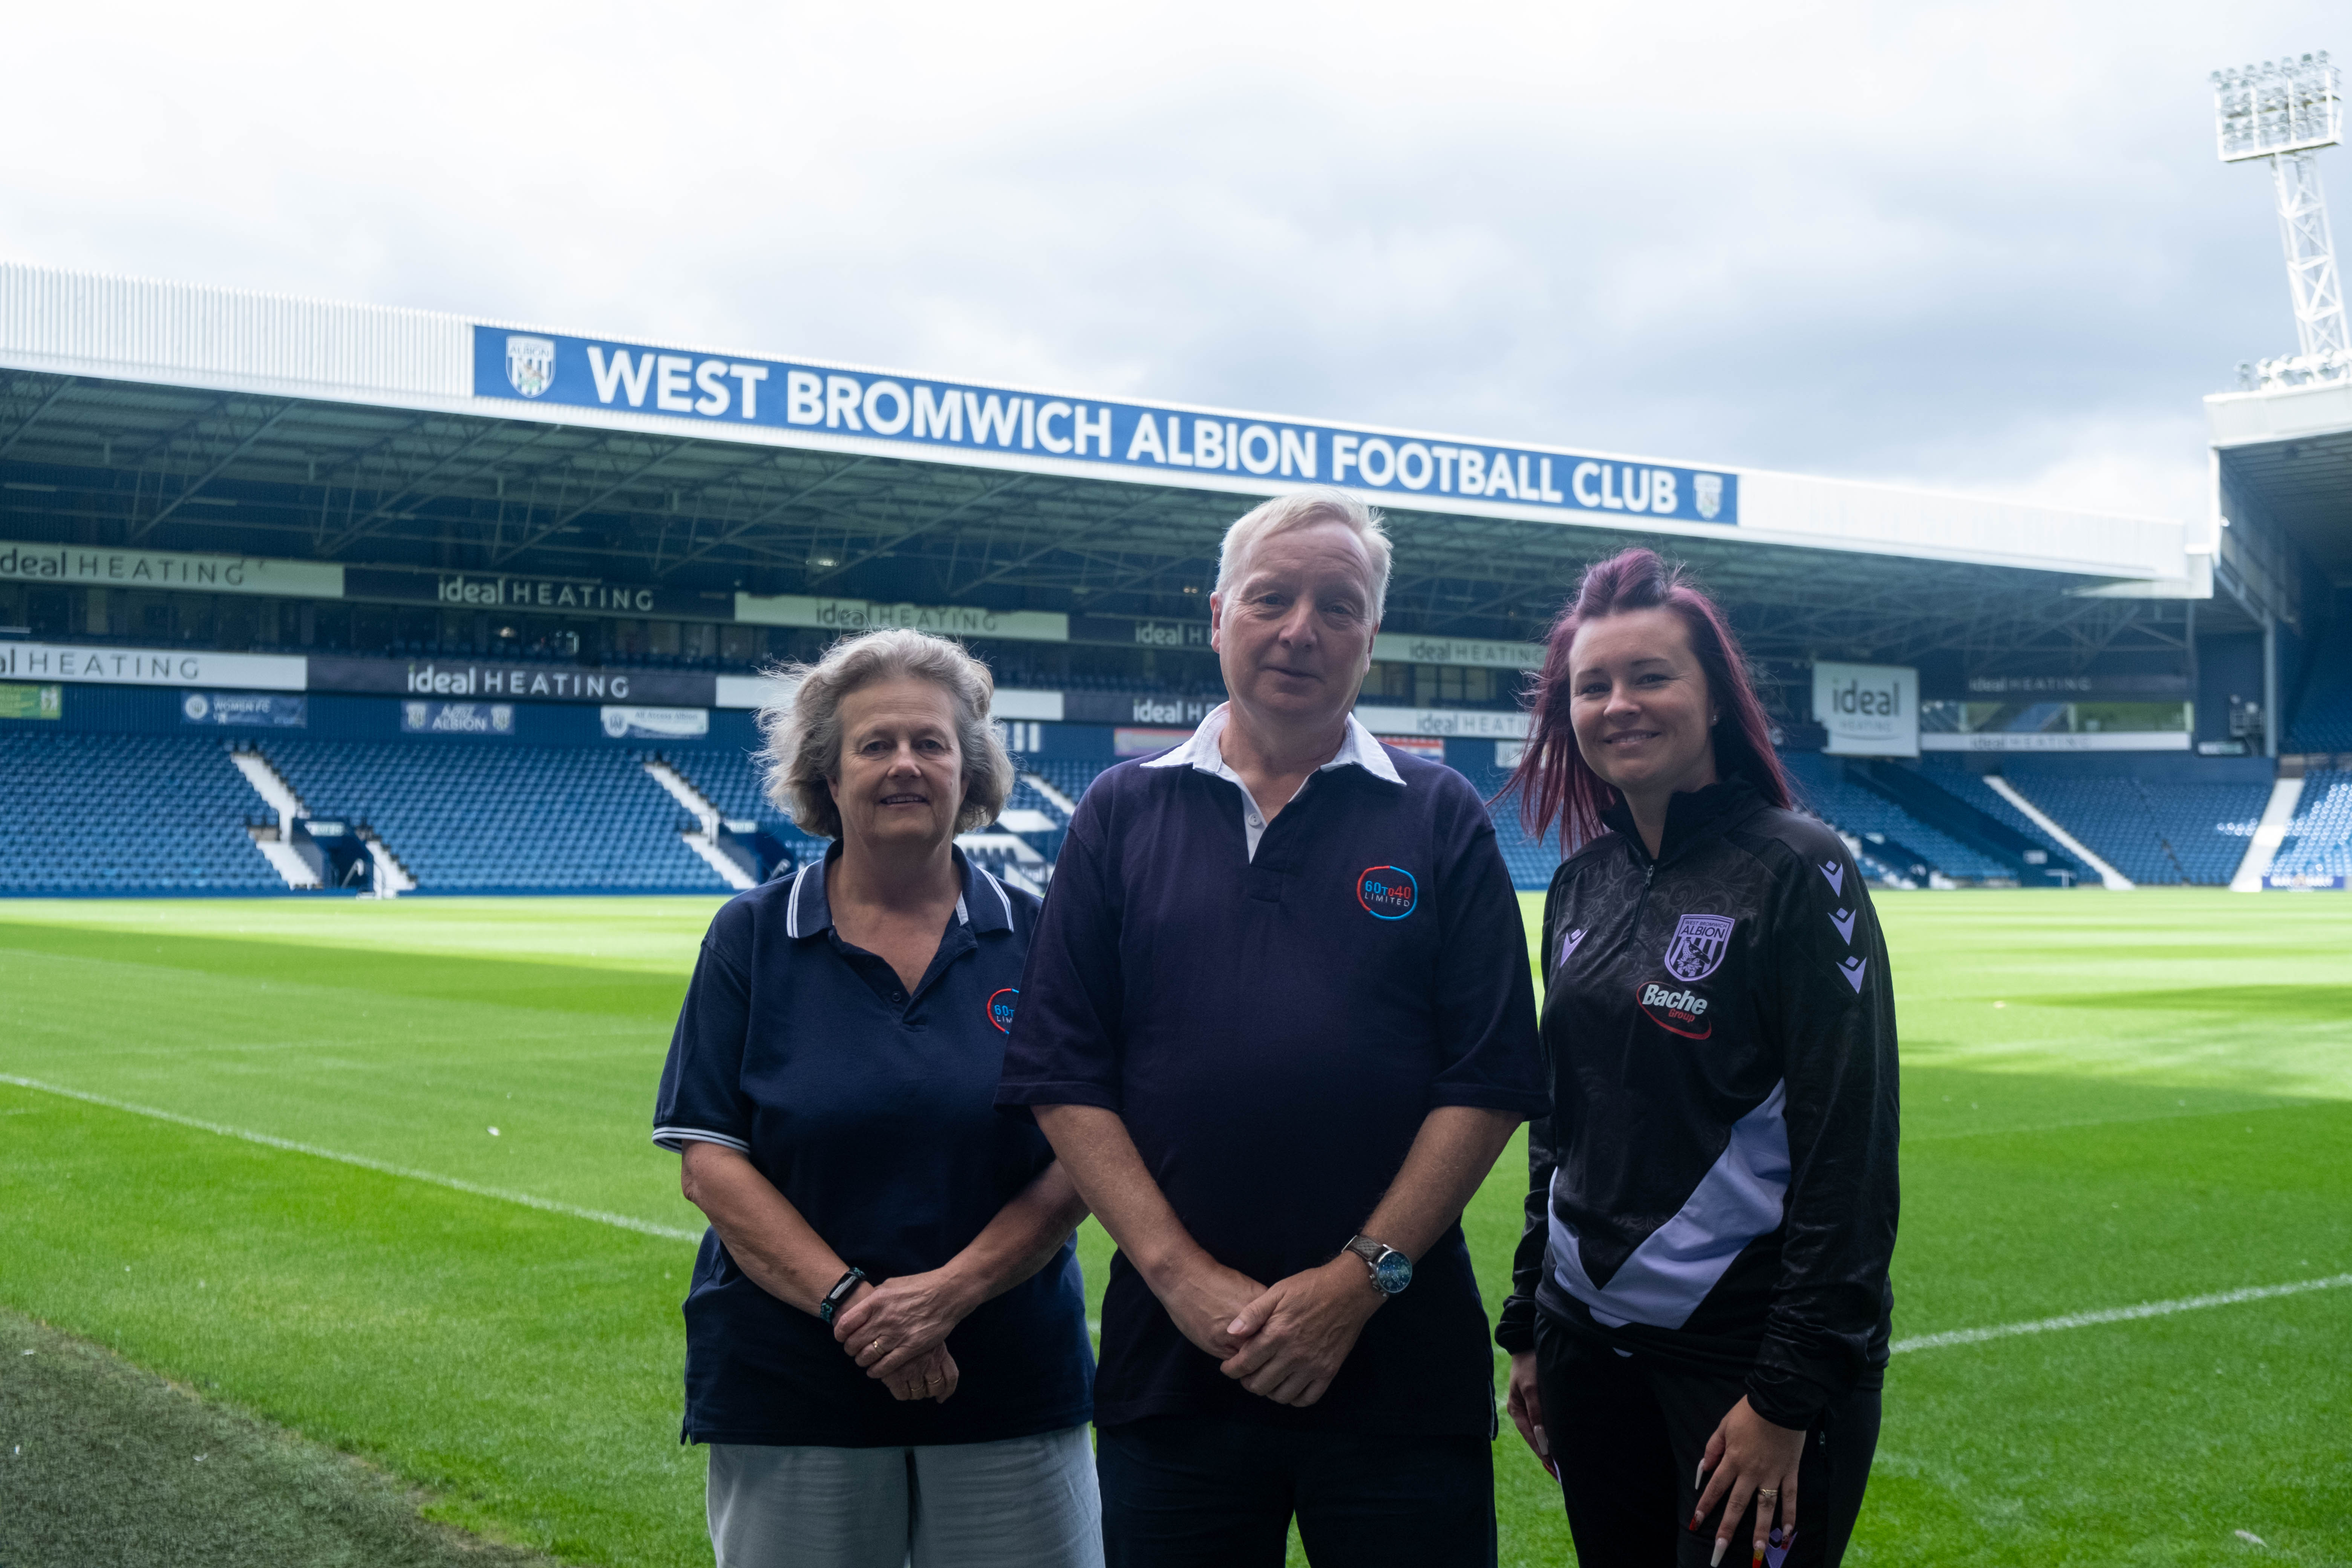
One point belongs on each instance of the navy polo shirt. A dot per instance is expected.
(870, 1109)
(1273, 1020)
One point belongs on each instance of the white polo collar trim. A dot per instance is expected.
(1361, 749)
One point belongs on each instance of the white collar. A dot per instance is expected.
(1202, 752)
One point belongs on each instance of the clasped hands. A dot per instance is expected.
(1284, 1342)
(897, 1332)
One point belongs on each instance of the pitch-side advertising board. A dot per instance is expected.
(1130, 440)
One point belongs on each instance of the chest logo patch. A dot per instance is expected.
(1000, 1009)
(1680, 1013)
(1698, 945)
(1389, 892)
(1568, 944)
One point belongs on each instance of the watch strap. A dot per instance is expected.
(842, 1290)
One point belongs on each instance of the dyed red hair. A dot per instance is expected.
(1553, 783)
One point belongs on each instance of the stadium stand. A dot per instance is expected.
(1071, 778)
(729, 777)
(1532, 862)
(1892, 835)
(2323, 719)
(2319, 840)
(124, 814)
(2159, 834)
(1947, 773)
(470, 817)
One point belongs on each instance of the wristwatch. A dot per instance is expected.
(844, 1287)
(1391, 1269)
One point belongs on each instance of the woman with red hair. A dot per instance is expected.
(1699, 1313)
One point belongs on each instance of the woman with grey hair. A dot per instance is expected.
(886, 1343)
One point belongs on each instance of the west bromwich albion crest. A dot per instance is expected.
(1698, 946)
(1707, 488)
(531, 365)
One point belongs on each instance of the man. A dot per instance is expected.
(1277, 1022)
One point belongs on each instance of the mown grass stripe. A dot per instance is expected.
(2117, 1314)
(455, 1184)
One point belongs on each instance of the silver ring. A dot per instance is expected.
(1772, 1492)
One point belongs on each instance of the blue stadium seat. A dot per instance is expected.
(1951, 776)
(730, 778)
(466, 816)
(2159, 833)
(1893, 835)
(127, 814)
(2319, 840)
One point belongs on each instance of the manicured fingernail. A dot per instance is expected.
(1693, 1525)
(1543, 1444)
(1700, 1478)
(1717, 1561)
(1759, 1560)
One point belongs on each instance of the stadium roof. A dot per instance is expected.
(171, 417)
(2283, 459)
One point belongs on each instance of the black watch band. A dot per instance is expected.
(840, 1292)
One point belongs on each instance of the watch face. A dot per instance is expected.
(1394, 1272)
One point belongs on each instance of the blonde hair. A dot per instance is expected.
(1305, 508)
(802, 727)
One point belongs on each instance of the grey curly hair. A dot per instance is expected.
(802, 726)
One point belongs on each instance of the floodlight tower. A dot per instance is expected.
(2286, 110)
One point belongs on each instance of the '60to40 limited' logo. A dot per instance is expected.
(1388, 891)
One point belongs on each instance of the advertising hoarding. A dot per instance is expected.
(1126, 439)
(456, 718)
(246, 710)
(871, 614)
(1869, 710)
(487, 678)
(656, 723)
(80, 565)
(31, 702)
(549, 596)
(1406, 647)
(149, 667)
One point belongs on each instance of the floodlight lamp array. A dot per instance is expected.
(2290, 105)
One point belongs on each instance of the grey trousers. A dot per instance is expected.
(1025, 1502)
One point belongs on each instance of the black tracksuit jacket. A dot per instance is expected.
(1716, 1185)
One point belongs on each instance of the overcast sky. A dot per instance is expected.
(1984, 247)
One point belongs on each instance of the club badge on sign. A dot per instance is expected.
(531, 365)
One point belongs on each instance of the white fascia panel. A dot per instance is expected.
(1841, 514)
(2249, 418)
(226, 340)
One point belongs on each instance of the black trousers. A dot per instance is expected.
(1185, 1491)
(1628, 1434)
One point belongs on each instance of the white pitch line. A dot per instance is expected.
(2110, 1315)
(474, 1189)
(671, 1233)
(2119, 1314)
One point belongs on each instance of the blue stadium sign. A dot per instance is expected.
(1127, 441)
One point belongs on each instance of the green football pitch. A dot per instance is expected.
(378, 1174)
